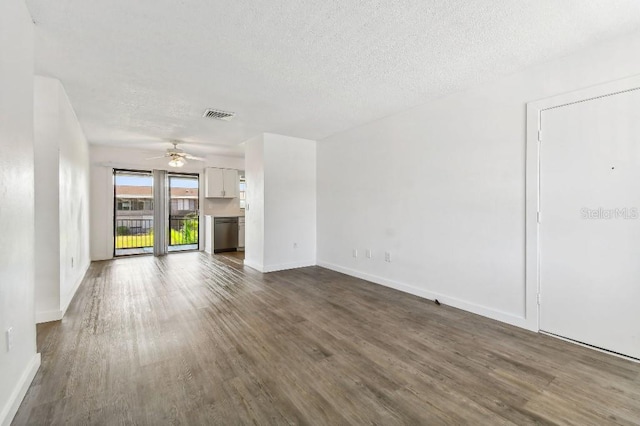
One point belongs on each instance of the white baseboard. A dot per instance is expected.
(252, 265)
(285, 266)
(444, 299)
(19, 391)
(279, 267)
(48, 316)
(98, 258)
(69, 297)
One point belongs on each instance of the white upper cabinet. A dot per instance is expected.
(231, 183)
(214, 183)
(220, 183)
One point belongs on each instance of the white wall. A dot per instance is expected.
(442, 188)
(104, 159)
(74, 201)
(254, 215)
(47, 217)
(18, 366)
(222, 206)
(289, 202)
(61, 199)
(281, 194)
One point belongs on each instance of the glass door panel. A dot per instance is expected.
(184, 226)
(133, 212)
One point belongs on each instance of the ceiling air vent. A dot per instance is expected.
(218, 114)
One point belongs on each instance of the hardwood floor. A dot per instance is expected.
(235, 257)
(195, 339)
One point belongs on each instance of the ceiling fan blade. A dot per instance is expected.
(155, 158)
(191, 157)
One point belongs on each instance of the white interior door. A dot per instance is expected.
(590, 222)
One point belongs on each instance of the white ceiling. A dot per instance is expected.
(143, 71)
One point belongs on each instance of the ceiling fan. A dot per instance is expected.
(176, 156)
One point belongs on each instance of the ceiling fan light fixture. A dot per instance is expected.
(176, 161)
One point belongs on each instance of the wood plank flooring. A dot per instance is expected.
(195, 339)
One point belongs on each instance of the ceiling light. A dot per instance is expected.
(176, 161)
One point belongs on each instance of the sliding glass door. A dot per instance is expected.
(184, 226)
(133, 212)
(133, 223)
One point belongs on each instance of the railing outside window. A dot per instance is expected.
(184, 230)
(134, 233)
(138, 233)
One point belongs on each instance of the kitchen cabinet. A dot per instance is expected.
(231, 183)
(220, 183)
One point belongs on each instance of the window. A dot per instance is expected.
(124, 204)
(134, 204)
(184, 204)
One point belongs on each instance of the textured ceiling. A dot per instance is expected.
(139, 72)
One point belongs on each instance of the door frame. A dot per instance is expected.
(200, 226)
(532, 181)
(114, 170)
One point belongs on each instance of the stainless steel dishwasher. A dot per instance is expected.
(225, 234)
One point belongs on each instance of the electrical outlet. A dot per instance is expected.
(295, 245)
(355, 252)
(369, 254)
(9, 339)
(387, 256)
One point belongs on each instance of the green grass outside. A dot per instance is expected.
(134, 241)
